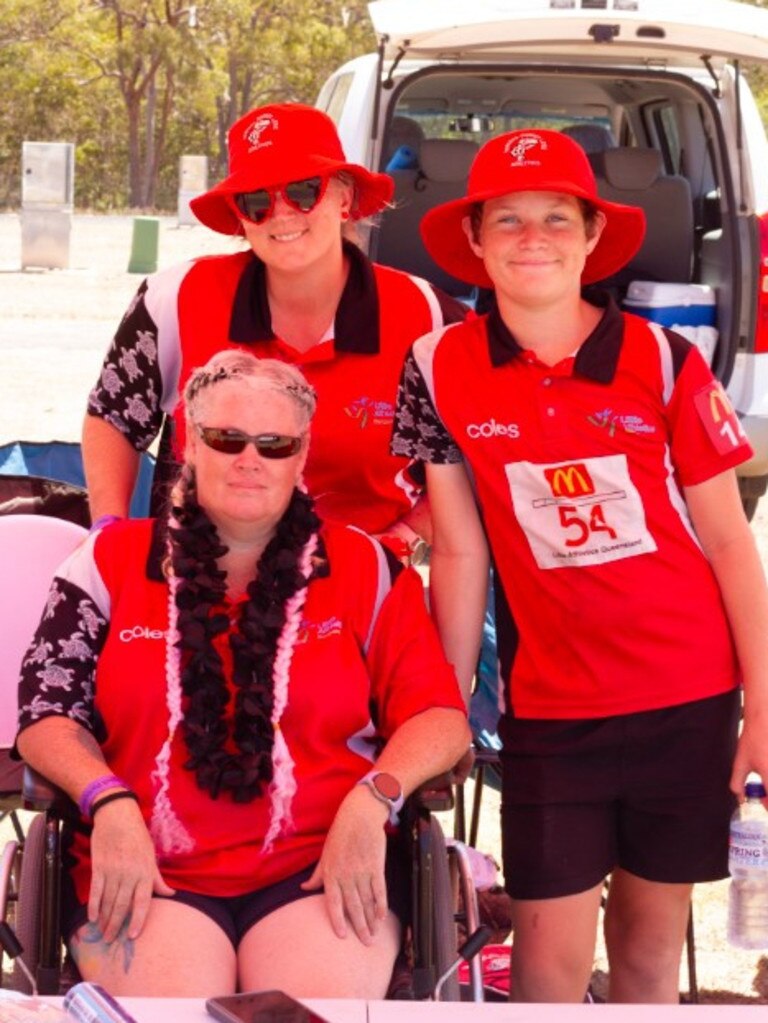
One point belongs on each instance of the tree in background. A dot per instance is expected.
(136, 83)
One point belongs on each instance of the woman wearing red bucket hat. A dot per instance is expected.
(300, 293)
(630, 599)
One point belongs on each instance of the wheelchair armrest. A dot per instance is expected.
(40, 794)
(435, 794)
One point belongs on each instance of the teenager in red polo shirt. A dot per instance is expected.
(631, 602)
(299, 293)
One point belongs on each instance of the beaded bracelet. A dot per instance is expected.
(110, 798)
(95, 788)
(103, 520)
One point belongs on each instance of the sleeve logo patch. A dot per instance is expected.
(719, 418)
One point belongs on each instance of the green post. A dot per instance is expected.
(146, 233)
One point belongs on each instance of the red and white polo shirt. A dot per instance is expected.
(607, 604)
(181, 316)
(367, 659)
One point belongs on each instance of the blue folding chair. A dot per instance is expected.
(63, 461)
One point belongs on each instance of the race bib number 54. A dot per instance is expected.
(579, 513)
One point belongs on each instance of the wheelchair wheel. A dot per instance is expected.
(29, 902)
(445, 932)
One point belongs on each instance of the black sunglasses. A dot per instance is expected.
(233, 442)
(302, 196)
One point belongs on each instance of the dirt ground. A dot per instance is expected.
(54, 328)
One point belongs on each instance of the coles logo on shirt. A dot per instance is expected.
(491, 428)
(140, 632)
(371, 412)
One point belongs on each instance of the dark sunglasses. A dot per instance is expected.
(302, 196)
(233, 442)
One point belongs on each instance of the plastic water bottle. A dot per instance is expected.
(748, 866)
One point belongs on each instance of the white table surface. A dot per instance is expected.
(192, 1010)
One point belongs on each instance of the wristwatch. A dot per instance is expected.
(387, 789)
(414, 552)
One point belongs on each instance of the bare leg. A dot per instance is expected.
(296, 950)
(554, 947)
(180, 953)
(645, 926)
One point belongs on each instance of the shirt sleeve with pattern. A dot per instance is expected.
(59, 667)
(418, 431)
(127, 393)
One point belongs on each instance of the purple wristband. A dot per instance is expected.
(104, 520)
(95, 788)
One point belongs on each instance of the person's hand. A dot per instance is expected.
(124, 871)
(751, 753)
(351, 868)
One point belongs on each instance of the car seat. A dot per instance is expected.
(593, 138)
(441, 175)
(634, 176)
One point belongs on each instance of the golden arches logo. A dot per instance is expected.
(570, 480)
(719, 405)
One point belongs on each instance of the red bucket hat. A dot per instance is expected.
(534, 160)
(285, 142)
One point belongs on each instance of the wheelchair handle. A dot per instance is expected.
(467, 951)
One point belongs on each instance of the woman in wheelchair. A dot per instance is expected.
(212, 688)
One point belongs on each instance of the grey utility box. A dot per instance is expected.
(47, 201)
(193, 179)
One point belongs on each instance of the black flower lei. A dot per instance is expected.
(195, 548)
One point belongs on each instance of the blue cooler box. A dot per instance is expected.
(672, 305)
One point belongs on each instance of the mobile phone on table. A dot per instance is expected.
(261, 1007)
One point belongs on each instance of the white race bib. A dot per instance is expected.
(579, 513)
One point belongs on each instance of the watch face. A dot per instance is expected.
(388, 786)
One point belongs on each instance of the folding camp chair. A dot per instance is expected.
(63, 462)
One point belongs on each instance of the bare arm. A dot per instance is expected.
(458, 569)
(352, 863)
(111, 468)
(728, 542)
(124, 868)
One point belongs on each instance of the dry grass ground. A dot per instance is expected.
(54, 327)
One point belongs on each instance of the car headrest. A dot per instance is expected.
(447, 159)
(633, 169)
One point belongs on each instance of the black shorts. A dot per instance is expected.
(647, 792)
(236, 914)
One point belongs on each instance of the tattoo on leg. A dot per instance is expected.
(89, 948)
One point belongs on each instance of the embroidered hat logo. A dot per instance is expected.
(519, 146)
(253, 133)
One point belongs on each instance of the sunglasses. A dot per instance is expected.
(233, 442)
(302, 196)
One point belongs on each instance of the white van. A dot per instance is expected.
(656, 93)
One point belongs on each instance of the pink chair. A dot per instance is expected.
(31, 549)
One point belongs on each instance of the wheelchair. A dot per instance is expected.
(440, 881)
(32, 546)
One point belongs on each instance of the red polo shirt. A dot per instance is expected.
(182, 316)
(366, 660)
(607, 604)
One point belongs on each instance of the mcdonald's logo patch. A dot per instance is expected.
(719, 418)
(570, 480)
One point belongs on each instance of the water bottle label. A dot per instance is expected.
(747, 847)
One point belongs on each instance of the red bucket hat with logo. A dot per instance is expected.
(280, 143)
(530, 160)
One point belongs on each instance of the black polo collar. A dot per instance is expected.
(356, 325)
(158, 551)
(596, 359)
